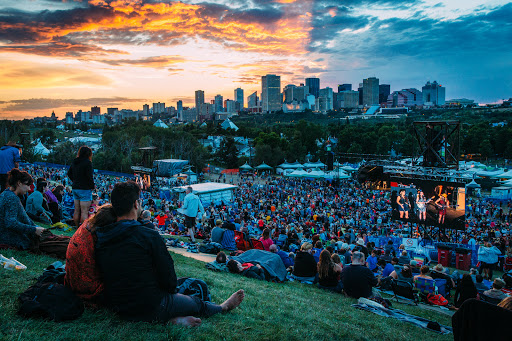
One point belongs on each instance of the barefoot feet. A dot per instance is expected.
(187, 321)
(233, 301)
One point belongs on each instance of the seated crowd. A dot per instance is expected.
(118, 259)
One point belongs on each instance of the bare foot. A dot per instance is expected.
(187, 321)
(233, 301)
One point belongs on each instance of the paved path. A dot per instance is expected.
(203, 257)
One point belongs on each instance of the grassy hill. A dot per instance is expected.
(271, 311)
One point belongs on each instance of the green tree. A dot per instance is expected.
(228, 153)
(46, 136)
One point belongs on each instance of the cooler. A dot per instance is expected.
(463, 259)
(444, 255)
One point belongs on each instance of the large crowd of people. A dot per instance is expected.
(320, 231)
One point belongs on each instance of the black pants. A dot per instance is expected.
(177, 305)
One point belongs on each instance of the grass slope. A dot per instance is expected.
(271, 311)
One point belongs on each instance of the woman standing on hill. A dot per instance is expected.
(81, 174)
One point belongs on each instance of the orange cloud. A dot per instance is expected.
(271, 31)
(29, 76)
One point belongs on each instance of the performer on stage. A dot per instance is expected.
(442, 204)
(421, 204)
(403, 204)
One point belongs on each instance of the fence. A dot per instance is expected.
(431, 246)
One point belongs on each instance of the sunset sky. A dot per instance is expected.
(70, 55)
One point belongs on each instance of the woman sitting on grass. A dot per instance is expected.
(266, 240)
(328, 273)
(82, 274)
(305, 269)
(465, 290)
(16, 228)
(36, 203)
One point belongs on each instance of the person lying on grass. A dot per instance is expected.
(138, 271)
(248, 270)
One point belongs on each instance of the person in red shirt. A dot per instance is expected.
(161, 217)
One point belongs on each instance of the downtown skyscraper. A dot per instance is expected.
(271, 98)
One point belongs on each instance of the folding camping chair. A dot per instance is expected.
(257, 244)
(405, 290)
(241, 243)
(425, 287)
(508, 264)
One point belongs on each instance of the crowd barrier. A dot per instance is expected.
(430, 246)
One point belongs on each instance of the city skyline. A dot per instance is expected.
(71, 55)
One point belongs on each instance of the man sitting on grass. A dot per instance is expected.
(138, 271)
(357, 279)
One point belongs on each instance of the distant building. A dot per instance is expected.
(239, 97)
(179, 107)
(189, 115)
(199, 97)
(384, 91)
(253, 102)
(370, 91)
(405, 98)
(360, 90)
(170, 110)
(206, 111)
(325, 99)
(145, 110)
(219, 107)
(348, 99)
(111, 111)
(433, 94)
(158, 108)
(295, 93)
(69, 118)
(344, 87)
(230, 106)
(462, 102)
(95, 111)
(296, 106)
(313, 85)
(271, 99)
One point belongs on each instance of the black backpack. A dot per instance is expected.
(211, 248)
(193, 287)
(51, 301)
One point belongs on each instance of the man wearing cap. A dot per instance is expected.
(191, 207)
(9, 159)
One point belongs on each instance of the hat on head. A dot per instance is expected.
(360, 241)
(344, 246)
(439, 268)
(413, 263)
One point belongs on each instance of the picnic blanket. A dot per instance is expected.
(403, 316)
(215, 266)
(270, 262)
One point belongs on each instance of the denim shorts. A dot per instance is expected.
(82, 194)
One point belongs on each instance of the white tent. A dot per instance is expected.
(298, 173)
(336, 175)
(317, 174)
(61, 127)
(160, 124)
(506, 175)
(40, 149)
